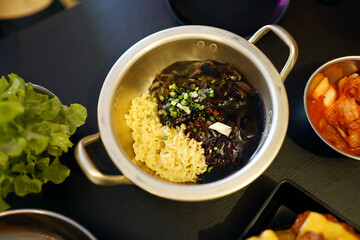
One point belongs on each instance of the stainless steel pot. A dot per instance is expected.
(41, 225)
(133, 73)
(334, 70)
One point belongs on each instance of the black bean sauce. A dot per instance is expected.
(197, 94)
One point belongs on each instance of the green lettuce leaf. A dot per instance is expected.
(35, 131)
(9, 110)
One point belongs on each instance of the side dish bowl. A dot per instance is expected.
(334, 70)
(132, 75)
(40, 224)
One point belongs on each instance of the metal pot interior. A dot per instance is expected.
(139, 72)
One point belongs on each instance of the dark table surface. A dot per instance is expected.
(71, 53)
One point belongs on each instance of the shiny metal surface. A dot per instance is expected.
(133, 73)
(334, 70)
(287, 39)
(90, 169)
(42, 90)
(40, 224)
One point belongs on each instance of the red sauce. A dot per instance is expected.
(328, 130)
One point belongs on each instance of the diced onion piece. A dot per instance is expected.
(342, 133)
(354, 75)
(321, 88)
(329, 96)
(341, 84)
(221, 128)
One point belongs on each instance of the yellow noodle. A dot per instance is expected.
(177, 159)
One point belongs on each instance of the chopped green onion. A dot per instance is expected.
(210, 168)
(192, 86)
(211, 118)
(149, 116)
(194, 94)
(165, 137)
(201, 107)
(173, 114)
(194, 130)
(213, 81)
(215, 148)
(203, 134)
(203, 118)
(184, 102)
(168, 123)
(162, 90)
(201, 91)
(155, 109)
(223, 81)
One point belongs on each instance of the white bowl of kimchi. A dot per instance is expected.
(332, 104)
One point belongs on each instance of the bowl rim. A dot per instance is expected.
(51, 214)
(318, 70)
(260, 161)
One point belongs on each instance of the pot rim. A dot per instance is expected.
(49, 214)
(197, 192)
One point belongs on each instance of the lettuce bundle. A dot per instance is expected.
(35, 130)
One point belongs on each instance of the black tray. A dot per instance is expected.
(282, 206)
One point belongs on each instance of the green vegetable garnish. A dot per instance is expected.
(34, 132)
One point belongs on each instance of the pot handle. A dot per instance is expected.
(287, 39)
(89, 168)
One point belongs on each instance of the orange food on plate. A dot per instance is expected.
(334, 110)
(312, 226)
